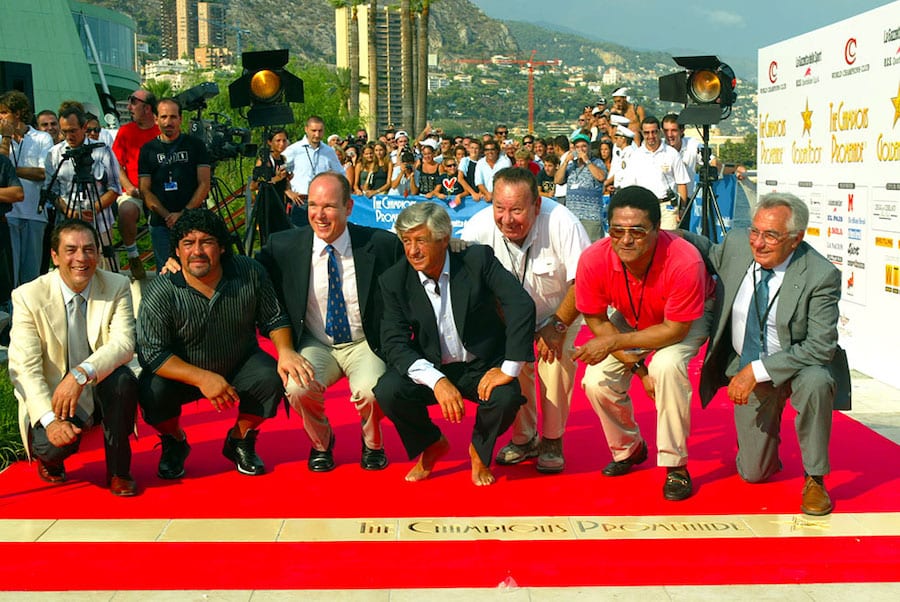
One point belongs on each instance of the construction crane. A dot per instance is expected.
(530, 63)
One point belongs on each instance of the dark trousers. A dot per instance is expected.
(256, 381)
(116, 400)
(406, 404)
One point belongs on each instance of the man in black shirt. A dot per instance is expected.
(174, 172)
(197, 338)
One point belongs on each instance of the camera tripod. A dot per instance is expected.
(710, 213)
(217, 191)
(266, 216)
(83, 200)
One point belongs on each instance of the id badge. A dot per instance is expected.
(170, 186)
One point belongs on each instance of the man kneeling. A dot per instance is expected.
(445, 340)
(197, 338)
(72, 334)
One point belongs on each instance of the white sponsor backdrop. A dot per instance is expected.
(829, 131)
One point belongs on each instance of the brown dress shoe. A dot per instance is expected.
(816, 501)
(50, 472)
(123, 486)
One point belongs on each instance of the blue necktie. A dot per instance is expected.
(759, 304)
(337, 326)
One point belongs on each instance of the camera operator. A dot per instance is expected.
(271, 167)
(174, 172)
(69, 161)
(405, 179)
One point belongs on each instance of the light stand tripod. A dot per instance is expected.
(710, 213)
(217, 191)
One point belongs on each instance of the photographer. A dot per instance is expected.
(272, 168)
(584, 177)
(404, 180)
(75, 165)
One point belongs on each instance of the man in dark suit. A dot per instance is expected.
(772, 344)
(445, 339)
(326, 276)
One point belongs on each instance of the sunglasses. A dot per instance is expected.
(449, 164)
(94, 130)
(637, 232)
(501, 132)
(134, 100)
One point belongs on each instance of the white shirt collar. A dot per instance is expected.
(341, 244)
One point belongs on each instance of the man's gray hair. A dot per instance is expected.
(799, 211)
(430, 215)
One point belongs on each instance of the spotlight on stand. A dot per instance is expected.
(267, 88)
(706, 89)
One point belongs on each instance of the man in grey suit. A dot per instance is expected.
(772, 344)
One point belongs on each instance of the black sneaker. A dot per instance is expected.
(174, 453)
(243, 453)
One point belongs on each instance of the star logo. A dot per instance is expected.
(896, 101)
(807, 119)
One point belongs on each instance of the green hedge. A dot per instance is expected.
(11, 448)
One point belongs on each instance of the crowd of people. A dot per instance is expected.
(415, 317)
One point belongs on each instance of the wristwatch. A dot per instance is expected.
(557, 324)
(80, 376)
(638, 365)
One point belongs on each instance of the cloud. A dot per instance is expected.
(725, 18)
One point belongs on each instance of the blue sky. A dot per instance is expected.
(732, 29)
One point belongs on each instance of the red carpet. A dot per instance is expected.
(864, 479)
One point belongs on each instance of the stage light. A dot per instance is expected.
(706, 89)
(267, 88)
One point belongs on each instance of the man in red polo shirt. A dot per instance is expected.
(127, 147)
(661, 295)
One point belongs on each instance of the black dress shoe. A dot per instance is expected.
(322, 461)
(51, 472)
(373, 459)
(617, 469)
(678, 484)
(243, 453)
(171, 461)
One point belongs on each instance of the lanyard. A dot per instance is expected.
(637, 312)
(512, 262)
(764, 317)
(314, 167)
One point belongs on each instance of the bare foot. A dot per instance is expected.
(481, 474)
(427, 460)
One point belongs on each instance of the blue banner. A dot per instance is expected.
(724, 189)
(381, 210)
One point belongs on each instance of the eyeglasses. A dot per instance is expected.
(637, 232)
(94, 130)
(771, 237)
(133, 100)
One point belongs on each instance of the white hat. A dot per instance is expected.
(430, 143)
(621, 130)
(619, 119)
(401, 133)
(333, 137)
(596, 111)
(620, 92)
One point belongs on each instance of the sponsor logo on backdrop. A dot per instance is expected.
(806, 153)
(886, 149)
(845, 118)
(807, 61)
(773, 80)
(892, 41)
(849, 52)
(770, 127)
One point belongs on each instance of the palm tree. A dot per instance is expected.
(424, 9)
(373, 69)
(406, 64)
(160, 88)
(352, 54)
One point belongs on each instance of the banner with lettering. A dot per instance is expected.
(829, 108)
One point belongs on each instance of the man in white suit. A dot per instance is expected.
(65, 383)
